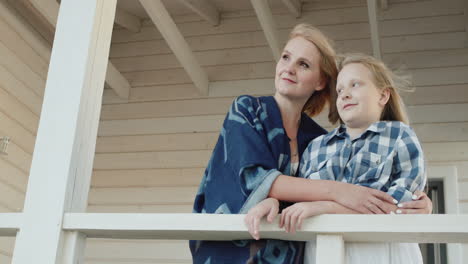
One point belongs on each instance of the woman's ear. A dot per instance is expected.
(321, 84)
(384, 97)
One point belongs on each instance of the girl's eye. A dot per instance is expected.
(285, 57)
(339, 91)
(355, 84)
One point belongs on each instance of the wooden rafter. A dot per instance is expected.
(127, 20)
(265, 17)
(374, 28)
(47, 11)
(163, 21)
(294, 6)
(466, 22)
(384, 4)
(205, 9)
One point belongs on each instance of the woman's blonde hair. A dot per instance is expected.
(383, 78)
(328, 69)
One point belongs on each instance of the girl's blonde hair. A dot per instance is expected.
(383, 78)
(328, 69)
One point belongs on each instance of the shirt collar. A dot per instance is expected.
(340, 131)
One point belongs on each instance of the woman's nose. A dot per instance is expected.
(289, 67)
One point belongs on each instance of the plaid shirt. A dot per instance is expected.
(387, 157)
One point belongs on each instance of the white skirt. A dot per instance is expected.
(370, 253)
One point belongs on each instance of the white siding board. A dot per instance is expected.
(147, 178)
(444, 132)
(446, 151)
(440, 76)
(208, 123)
(18, 157)
(423, 9)
(21, 70)
(151, 160)
(142, 196)
(425, 25)
(438, 113)
(13, 176)
(138, 250)
(11, 198)
(21, 114)
(437, 94)
(17, 133)
(18, 89)
(428, 59)
(437, 41)
(167, 109)
(164, 208)
(164, 142)
(26, 53)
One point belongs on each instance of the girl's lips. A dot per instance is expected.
(288, 80)
(346, 106)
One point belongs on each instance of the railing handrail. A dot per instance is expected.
(402, 228)
(398, 228)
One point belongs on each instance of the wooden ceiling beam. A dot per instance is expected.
(205, 9)
(179, 46)
(265, 17)
(127, 20)
(374, 28)
(294, 6)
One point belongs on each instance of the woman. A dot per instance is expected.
(261, 143)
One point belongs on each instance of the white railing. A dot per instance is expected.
(330, 230)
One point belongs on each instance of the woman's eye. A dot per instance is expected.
(304, 65)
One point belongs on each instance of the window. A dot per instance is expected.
(435, 253)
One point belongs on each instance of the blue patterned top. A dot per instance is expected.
(251, 152)
(387, 157)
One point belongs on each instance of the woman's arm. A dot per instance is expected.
(361, 199)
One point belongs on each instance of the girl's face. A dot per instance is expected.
(298, 71)
(360, 103)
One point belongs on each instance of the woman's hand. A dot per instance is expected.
(421, 204)
(364, 200)
(293, 216)
(269, 206)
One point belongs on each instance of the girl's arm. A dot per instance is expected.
(361, 199)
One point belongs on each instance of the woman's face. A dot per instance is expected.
(298, 70)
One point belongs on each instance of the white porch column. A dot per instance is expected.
(65, 144)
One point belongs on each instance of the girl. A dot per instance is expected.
(373, 147)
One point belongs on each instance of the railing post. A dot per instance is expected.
(330, 249)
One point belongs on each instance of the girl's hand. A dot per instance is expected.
(365, 200)
(421, 204)
(269, 206)
(293, 216)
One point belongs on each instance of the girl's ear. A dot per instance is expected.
(384, 97)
